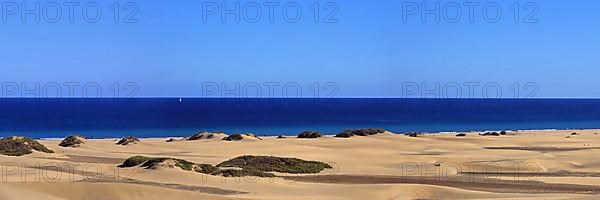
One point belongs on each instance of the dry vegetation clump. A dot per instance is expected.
(154, 163)
(276, 164)
(207, 136)
(360, 132)
(310, 134)
(242, 173)
(73, 141)
(259, 166)
(18, 146)
(128, 140)
(491, 134)
(238, 137)
(413, 134)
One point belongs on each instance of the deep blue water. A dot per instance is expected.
(163, 117)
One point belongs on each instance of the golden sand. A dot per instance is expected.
(524, 165)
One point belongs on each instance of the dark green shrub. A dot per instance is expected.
(205, 169)
(72, 141)
(128, 140)
(184, 164)
(242, 173)
(134, 161)
(18, 146)
(309, 134)
(275, 164)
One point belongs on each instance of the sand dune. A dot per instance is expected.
(525, 165)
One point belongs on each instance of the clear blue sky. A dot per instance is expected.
(370, 52)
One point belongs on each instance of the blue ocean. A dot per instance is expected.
(170, 117)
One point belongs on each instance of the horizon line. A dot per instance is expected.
(412, 98)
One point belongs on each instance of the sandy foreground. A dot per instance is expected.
(525, 165)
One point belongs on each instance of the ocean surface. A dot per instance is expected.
(168, 117)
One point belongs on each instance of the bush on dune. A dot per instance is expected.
(242, 173)
(309, 134)
(205, 168)
(276, 164)
(18, 146)
(238, 167)
(73, 141)
(490, 134)
(360, 132)
(207, 136)
(344, 134)
(413, 134)
(153, 163)
(128, 140)
(238, 137)
(134, 161)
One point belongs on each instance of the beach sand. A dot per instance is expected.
(550, 164)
